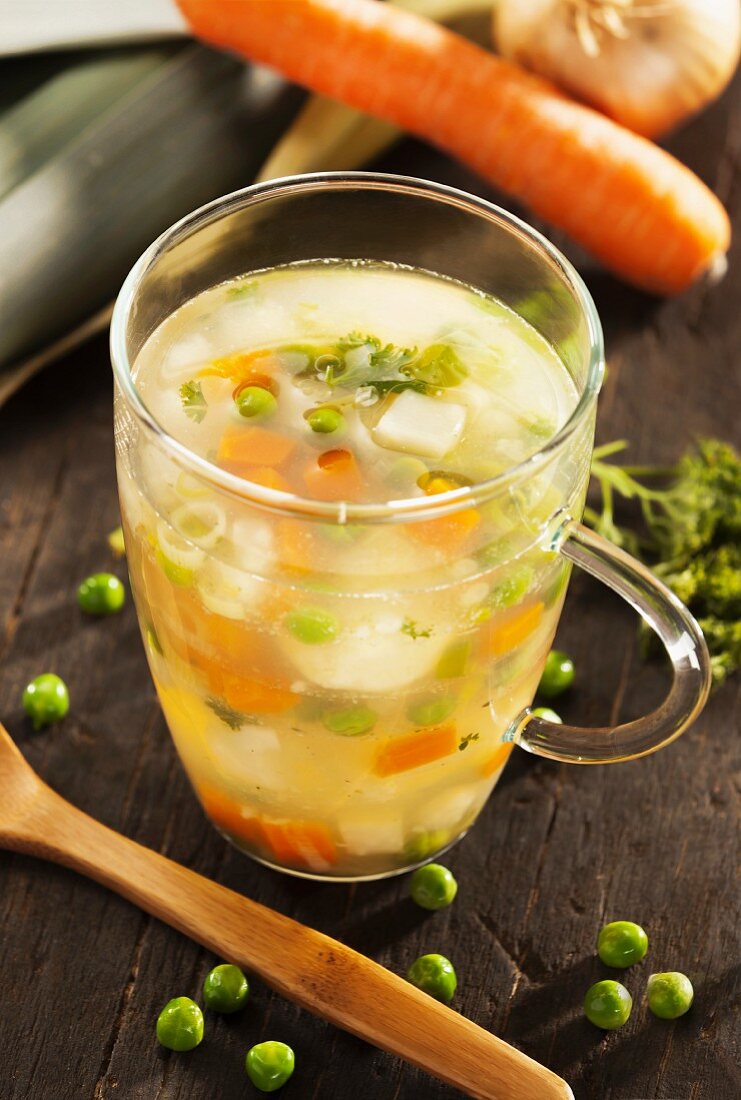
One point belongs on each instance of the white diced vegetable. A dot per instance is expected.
(250, 754)
(420, 425)
(450, 810)
(371, 832)
(366, 660)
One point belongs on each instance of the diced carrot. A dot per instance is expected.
(295, 545)
(302, 843)
(507, 632)
(254, 696)
(313, 839)
(412, 750)
(299, 843)
(334, 475)
(263, 475)
(448, 533)
(496, 761)
(230, 816)
(245, 448)
(243, 367)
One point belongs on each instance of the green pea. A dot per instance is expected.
(312, 626)
(607, 1005)
(558, 674)
(46, 700)
(422, 845)
(269, 1065)
(670, 995)
(432, 711)
(255, 401)
(180, 1024)
(433, 886)
(101, 594)
(350, 722)
(325, 420)
(622, 943)
(548, 714)
(434, 974)
(453, 661)
(225, 989)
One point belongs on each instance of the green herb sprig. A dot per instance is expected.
(690, 534)
(194, 403)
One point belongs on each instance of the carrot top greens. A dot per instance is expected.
(690, 534)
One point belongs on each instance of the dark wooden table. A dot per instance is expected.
(558, 851)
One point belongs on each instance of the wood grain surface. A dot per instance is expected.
(558, 850)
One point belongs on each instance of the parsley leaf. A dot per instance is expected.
(228, 715)
(410, 627)
(466, 741)
(194, 403)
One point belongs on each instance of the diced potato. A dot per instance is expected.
(421, 425)
(366, 661)
(371, 832)
(454, 809)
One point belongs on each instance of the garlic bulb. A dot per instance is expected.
(647, 63)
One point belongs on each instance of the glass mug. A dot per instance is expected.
(369, 754)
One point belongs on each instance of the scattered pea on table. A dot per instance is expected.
(101, 594)
(548, 714)
(434, 974)
(558, 674)
(225, 989)
(46, 700)
(269, 1065)
(433, 886)
(608, 1005)
(180, 1024)
(670, 995)
(622, 943)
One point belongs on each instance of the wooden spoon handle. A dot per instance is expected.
(318, 973)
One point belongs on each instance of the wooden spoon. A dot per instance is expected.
(318, 973)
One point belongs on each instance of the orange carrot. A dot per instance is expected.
(253, 367)
(334, 475)
(271, 479)
(251, 695)
(447, 533)
(496, 761)
(412, 750)
(510, 630)
(243, 448)
(300, 843)
(630, 203)
(295, 545)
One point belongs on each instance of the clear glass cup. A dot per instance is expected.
(375, 751)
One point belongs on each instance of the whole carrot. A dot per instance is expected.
(636, 208)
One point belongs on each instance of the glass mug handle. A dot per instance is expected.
(677, 630)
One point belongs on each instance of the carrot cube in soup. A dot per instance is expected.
(242, 449)
(509, 631)
(412, 750)
(334, 475)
